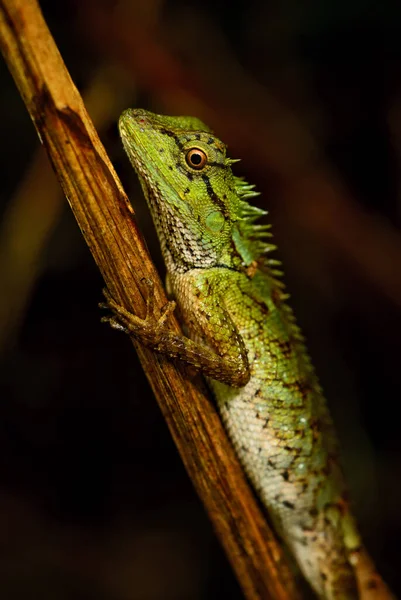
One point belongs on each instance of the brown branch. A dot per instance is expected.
(107, 223)
(35, 209)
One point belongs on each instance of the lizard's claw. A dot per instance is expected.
(148, 329)
(166, 311)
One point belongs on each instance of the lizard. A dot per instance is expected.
(242, 335)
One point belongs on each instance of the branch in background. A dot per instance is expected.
(107, 223)
(36, 208)
(307, 189)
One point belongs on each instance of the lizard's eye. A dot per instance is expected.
(196, 158)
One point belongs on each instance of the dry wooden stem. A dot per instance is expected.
(35, 209)
(107, 223)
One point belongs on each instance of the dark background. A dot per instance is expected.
(94, 501)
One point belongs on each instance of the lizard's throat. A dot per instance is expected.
(181, 250)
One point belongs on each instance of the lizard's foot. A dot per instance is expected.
(153, 331)
(150, 329)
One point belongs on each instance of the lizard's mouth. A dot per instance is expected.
(138, 158)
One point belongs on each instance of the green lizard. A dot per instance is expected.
(243, 337)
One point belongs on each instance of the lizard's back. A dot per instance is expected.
(279, 423)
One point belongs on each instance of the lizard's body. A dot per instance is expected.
(243, 337)
(278, 422)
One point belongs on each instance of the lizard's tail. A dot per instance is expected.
(370, 585)
(334, 560)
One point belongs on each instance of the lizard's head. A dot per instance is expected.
(197, 204)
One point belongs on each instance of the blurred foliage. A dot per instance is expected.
(94, 500)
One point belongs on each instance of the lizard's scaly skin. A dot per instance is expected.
(244, 338)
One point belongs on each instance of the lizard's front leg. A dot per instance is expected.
(226, 361)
